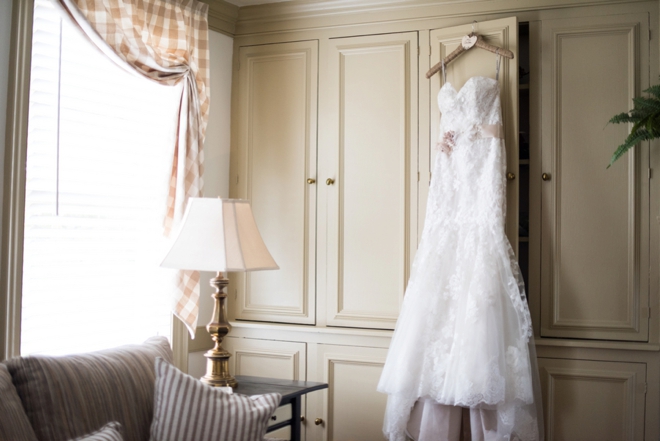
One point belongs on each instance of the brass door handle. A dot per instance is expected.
(311, 181)
(510, 176)
(329, 181)
(318, 421)
(545, 176)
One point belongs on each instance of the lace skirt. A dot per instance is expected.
(464, 335)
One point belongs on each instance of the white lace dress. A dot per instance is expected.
(464, 335)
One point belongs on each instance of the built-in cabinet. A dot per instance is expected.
(275, 157)
(273, 359)
(333, 138)
(350, 408)
(593, 217)
(590, 243)
(593, 400)
(340, 217)
(368, 165)
(352, 373)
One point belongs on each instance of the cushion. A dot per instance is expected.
(14, 423)
(71, 396)
(187, 409)
(110, 432)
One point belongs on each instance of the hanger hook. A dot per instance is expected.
(474, 22)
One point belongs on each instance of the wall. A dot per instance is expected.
(216, 162)
(5, 41)
(5, 37)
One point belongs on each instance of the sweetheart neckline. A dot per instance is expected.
(465, 84)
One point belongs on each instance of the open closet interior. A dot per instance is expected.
(523, 149)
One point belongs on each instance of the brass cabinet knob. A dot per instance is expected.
(510, 176)
(311, 181)
(330, 181)
(318, 421)
(302, 418)
(545, 176)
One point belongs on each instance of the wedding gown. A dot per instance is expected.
(464, 335)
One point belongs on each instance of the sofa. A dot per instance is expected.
(130, 393)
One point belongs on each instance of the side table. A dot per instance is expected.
(291, 392)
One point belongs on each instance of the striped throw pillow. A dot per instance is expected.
(187, 409)
(110, 432)
(14, 423)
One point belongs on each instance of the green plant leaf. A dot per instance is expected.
(645, 120)
(623, 118)
(654, 90)
(631, 141)
(648, 104)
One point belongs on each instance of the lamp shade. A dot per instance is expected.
(219, 235)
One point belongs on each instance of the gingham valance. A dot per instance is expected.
(165, 41)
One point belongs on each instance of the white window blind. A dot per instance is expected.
(100, 146)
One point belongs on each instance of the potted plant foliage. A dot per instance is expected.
(645, 117)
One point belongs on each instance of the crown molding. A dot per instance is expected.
(298, 15)
(222, 16)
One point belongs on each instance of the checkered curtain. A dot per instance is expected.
(165, 41)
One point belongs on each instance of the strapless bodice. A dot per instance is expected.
(475, 99)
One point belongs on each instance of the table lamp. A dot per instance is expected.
(219, 235)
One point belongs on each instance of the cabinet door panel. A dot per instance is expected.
(272, 359)
(276, 155)
(594, 279)
(266, 358)
(369, 149)
(477, 62)
(350, 408)
(593, 401)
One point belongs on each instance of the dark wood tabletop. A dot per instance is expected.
(289, 389)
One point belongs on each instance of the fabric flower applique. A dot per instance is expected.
(448, 142)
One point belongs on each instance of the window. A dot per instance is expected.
(100, 146)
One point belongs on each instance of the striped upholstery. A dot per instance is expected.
(110, 432)
(187, 409)
(14, 423)
(68, 397)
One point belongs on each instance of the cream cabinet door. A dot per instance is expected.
(271, 359)
(595, 237)
(368, 176)
(593, 400)
(477, 62)
(267, 358)
(274, 159)
(350, 409)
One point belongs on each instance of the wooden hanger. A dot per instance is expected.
(480, 43)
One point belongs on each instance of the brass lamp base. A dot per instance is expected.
(217, 363)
